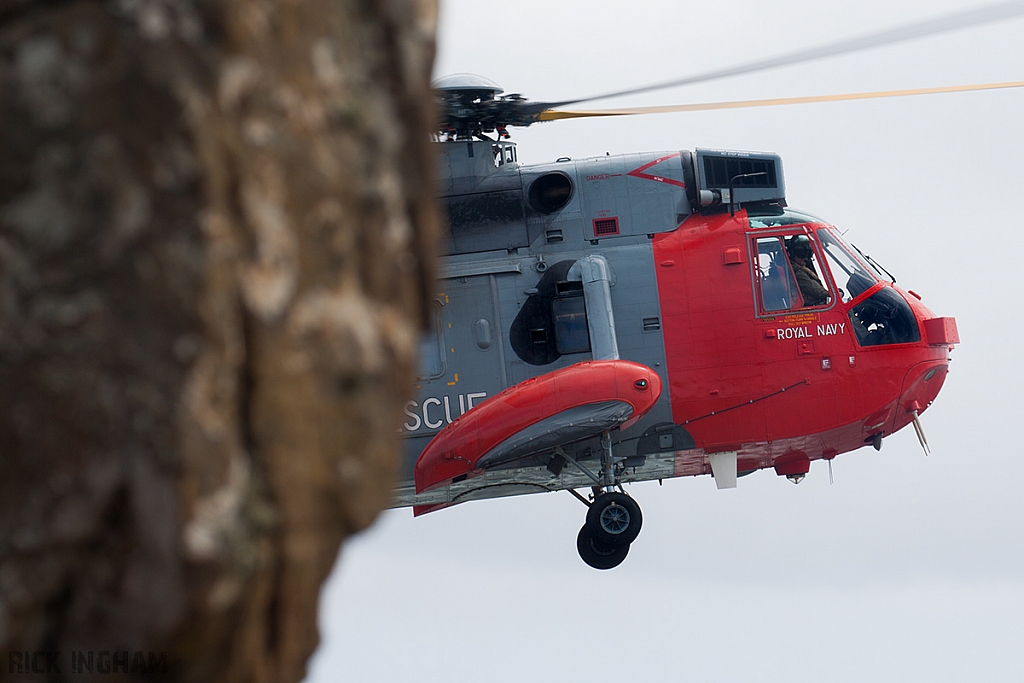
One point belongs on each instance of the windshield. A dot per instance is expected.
(884, 318)
(850, 276)
(875, 267)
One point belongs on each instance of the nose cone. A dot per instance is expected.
(925, 378)
(928, 361)
(920, 387)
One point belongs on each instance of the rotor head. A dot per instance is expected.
(471, 106)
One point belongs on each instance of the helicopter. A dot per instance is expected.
(627, 318)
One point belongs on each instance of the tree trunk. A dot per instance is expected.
(216, 243)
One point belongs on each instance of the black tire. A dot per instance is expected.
(597, 554)
(615, 518)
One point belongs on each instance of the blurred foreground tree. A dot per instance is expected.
(216, 242)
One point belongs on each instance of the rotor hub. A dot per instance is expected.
(472, 106)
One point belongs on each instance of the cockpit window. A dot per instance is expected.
(884, 318)
(876, 268)
(775, 277)
(850, 276)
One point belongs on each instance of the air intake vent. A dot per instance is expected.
(718, 171)
(568, 287)
(550, 192)
(764, 182)
(606, 226)
(652, 324)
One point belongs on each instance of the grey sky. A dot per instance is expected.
(908, 568)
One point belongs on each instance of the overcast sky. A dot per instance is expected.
(907, 568)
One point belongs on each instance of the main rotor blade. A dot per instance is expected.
(983, 15)
(552, 115)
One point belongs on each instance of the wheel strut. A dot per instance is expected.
(613, 518)
(607, 463)
(579, 497)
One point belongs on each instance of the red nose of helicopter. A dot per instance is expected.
(925, 377)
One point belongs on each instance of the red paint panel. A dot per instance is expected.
(457, 448)
(792, 463)
(941, 331)
(793, 382)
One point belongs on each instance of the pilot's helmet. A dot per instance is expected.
(799, 246)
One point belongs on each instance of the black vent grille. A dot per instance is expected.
(719, 170)
(652, 324)
(606, 226)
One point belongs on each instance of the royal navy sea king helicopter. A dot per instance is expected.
(644, 316)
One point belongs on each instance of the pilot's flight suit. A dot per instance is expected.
(813, 291)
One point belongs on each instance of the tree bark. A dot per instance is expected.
(216, 241)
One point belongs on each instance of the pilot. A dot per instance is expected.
(802, 257)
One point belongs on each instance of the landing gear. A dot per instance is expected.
(613, 518)
(613, 522)
(598, 554)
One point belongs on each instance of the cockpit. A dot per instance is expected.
(802, 265)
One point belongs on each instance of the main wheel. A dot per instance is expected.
(598, 554)
(615, 518)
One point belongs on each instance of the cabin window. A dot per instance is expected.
(852, 278)
(569, 315)
(533, 335)
(504, 153)
(775, 281)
